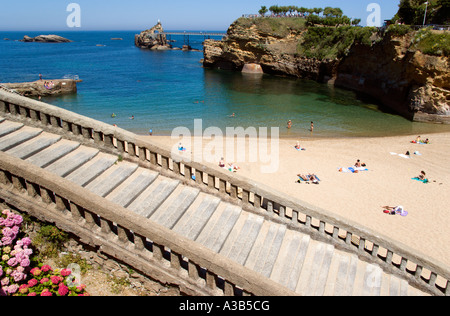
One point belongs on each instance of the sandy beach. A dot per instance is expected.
(360, 196)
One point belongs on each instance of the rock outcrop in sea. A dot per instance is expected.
(153, 38)
(44, 87)
(413, 84)
(46, 39)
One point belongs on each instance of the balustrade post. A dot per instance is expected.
(228, 289)
(175, 260)
(86, 132)
(120, 146)
(23, 111)
(3, 107)
(98, 137)
(17, 183)
(131, 150)
(403, 264)
(12, 109)
(46, 196)
(76, 211)
(34, 115)
(193, 271)
(106, 226)
(123, 234)
(108, 140)
(282, 211)
(32, 189)
(295, 216)
(158, 252)
(142, 154)
(54, 121)
(66, 126)
(210, 280)
(308, 221)
(198, 176)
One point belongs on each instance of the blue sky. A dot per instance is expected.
(43, 15)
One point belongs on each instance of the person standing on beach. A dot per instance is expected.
(312, 127)
(289, 124)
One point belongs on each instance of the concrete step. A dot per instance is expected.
(196, 217)
(219, 226)
(240, 241)
(34, 145)
(175, 206)
(153, 196)
(289, 263)
(7, 127)
(72, 161)
(52, 153)
(111, 178)
(18, 137)
(315, 268)
(265, 251)
(92, 169)
(132, 187)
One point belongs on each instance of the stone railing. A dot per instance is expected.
(146, 246)
(394, 257)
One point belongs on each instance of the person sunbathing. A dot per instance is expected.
(313, 178)
(422, 175)
(303, 177)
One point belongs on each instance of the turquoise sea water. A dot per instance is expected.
(167, 89)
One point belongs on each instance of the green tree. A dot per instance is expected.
(263, 10)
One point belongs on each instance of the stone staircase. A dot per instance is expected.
(288, 257)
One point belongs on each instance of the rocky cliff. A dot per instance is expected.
(411, 83)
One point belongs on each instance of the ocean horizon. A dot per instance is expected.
(163, 90)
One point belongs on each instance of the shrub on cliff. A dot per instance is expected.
(331, 43)
(432, 43)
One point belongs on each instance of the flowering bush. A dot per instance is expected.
(17, 276)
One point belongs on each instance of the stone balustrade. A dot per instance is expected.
(392, 256)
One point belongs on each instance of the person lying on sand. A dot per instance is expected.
(392, 210)
(309, 177)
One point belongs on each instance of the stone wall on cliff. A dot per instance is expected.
(413, 84)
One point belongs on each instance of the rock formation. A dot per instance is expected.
(46, 39)
(407, 81)
(44, 87)
(153, 39)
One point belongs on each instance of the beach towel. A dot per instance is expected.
(352, 169)
(420, 180)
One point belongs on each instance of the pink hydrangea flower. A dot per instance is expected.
(46, 268)
(35, 271)
(66, 272)
(44, 280)
(33, 282)
(32, 294)
(56, 279)
(23, 289)
(13, 288)
(46, 292)
(63, 290)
